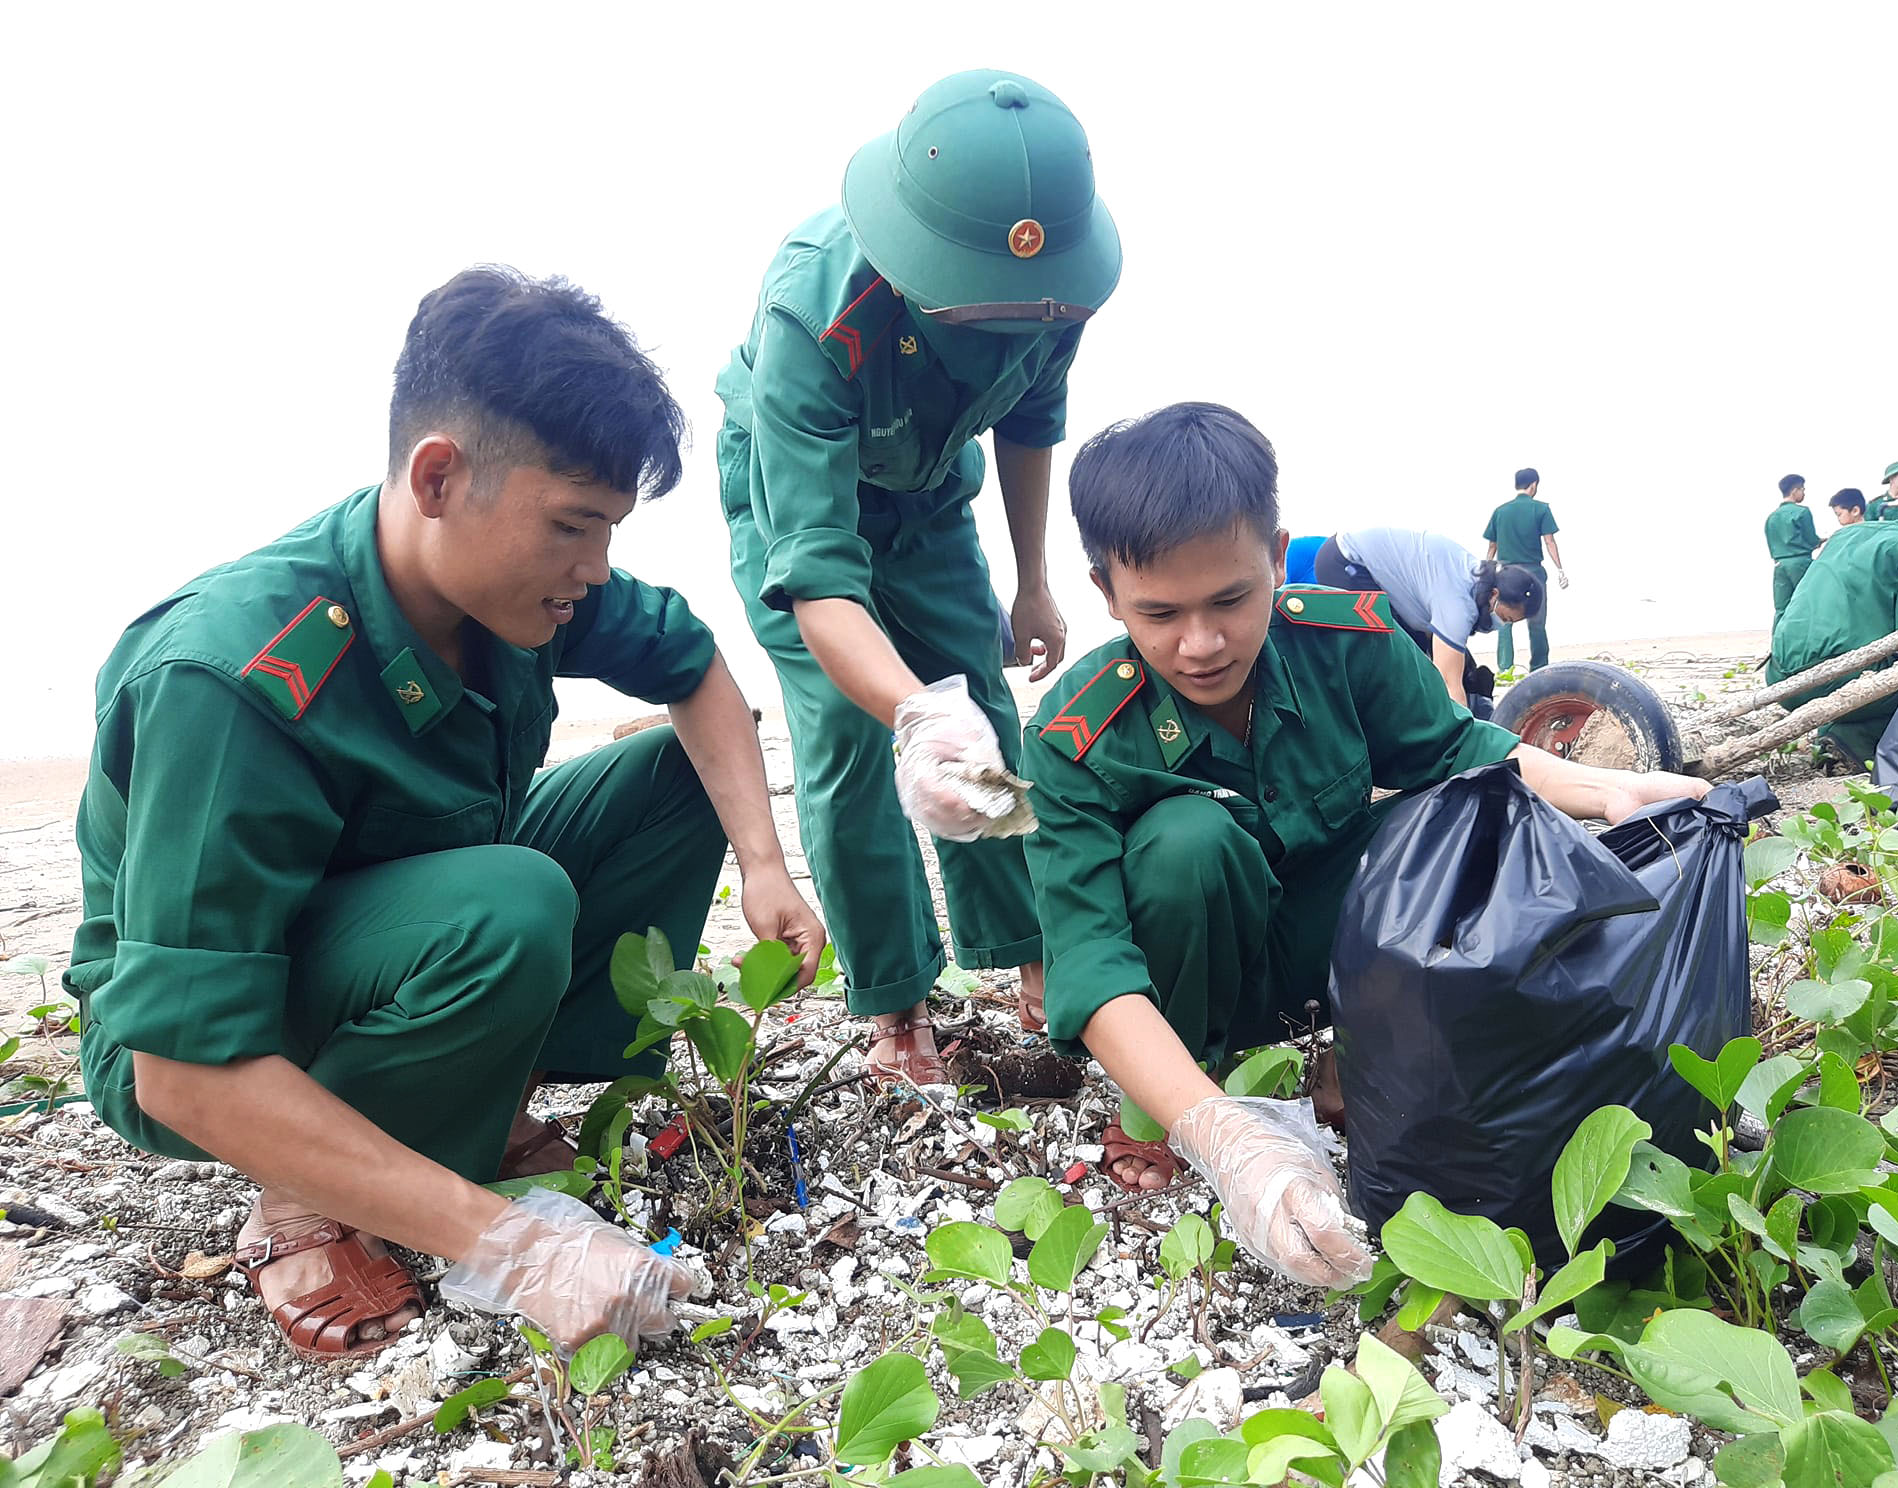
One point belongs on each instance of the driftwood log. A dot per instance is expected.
(1710, 759)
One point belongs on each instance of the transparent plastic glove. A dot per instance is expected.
(568, 1272)
(1268, 1162)
(949, 771)
(1561, 578)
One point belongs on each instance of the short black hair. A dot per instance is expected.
(532, 372)
(1790, 483)
(1142, 487)
(1851, 498)
(1519, 588)
(1526, 477)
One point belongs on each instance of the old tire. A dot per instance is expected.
(1551, 707)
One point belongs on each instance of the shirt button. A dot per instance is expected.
(1271, 794)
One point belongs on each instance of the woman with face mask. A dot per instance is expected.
(944, 298)
(1441, 594)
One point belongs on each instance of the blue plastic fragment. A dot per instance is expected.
(666, 1246)
(908, 1224)
(1298, 1319)
(798, 1189)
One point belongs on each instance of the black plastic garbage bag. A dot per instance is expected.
(1885, 759)
(1498, 973)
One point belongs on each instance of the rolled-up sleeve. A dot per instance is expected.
(1074, 863)
(1417, 736)
(1039, 419)
(804, 475)
(229, 827)
(639, 639)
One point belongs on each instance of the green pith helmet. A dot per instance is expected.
(1890, 470)
(980, 207)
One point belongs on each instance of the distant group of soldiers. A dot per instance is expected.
(1792, 539)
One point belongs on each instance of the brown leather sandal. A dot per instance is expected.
(904, 1060)
(544, 1150)
(362, 1289)
(1034, 1018)
(1116, 1144)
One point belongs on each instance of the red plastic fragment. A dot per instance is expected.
(670, 1139)
(1075, 1174)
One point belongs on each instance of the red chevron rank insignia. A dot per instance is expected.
(1335, 609)
(1095, 706)
(298, 660)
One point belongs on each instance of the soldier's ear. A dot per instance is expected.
(437, 467)
(1281, 545)
(1107, 590)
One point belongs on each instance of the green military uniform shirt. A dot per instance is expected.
(1848, 599)
(850, 400)
(1789, 532)
(277, 722)
(1879, 509)
(1344, 702)
(1517, 528)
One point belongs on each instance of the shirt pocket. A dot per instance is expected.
(386, 833)
(1345, 800)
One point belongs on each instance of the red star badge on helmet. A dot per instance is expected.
(1026, 238)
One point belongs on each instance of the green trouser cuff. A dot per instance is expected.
(1022, 952)
(898, 996)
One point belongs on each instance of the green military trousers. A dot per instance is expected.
(425, 990)
(1538, 629)
(931, 595)
(1234, 954)
(1787, 572)
(1858, 732)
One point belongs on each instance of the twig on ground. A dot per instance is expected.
(402, 1428)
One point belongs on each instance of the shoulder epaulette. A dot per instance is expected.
(297, 661)
(1095, 706)
(1336, 609)
(866, 321)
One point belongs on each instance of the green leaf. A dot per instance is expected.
(1751, 1462)
(281, 1456)
(148, 1348)
(1137, 1126)
(1730, 1378)
(1402, 1397)
(1049, 1357)
(1768, 914)
(1658, 1181)
(457, 1407)
(883, 1406)
(1460, 1253)
(598, 1362)
(1188, 1369)
(1718, 1079)
(768, 974)
(1374, 1292)
(1014, 1119)
(1561, 1289)
(1109, 1320)
(976, 1371)
(1592, 1168)
(1838, 1084)
(1270, 1424)
(1065, 1247)
(1830, 1316)
(1828, 1391)
(1214, 1459)
(1193, 1429)
(381, 1478)
(1826, 1151)
(83, 1448)
(1834, 1449)
(1027, 1206)
(1350, 1413)
(1100, 1451)
(608, 1104)
(1187, 1246)
(1268, 1073)
(958, 1331)
(635, 983)
(1766, 858)
(711, 1328)
(1782, 1224)
(955, 1476)
(723, 1039)
(1413, 1459)
(1766, 1091)
(1826, 1002)
(1271, 1461)
(568, 1182)
(962, 1248)
(1420, 1302)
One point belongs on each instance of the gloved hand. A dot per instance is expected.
(1266, 1159)
(1561, 578)
(568, 1272)
(950, 776)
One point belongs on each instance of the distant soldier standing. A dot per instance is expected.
(1790, 539)
(1885, 508)
(1518, 531)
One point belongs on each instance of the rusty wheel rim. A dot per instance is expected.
(1556, 722)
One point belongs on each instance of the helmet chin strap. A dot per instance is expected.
(1046, 311)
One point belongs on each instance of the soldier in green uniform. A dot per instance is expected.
(335, 924)
(1790, 539)
(1204, 792)
(1848, 599)
(945, 298)
(1885, 508)
(1848, 506)
(1517, 533)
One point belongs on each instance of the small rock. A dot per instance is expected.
(1565, 1393)
(969, 1451)
(447, 1357)
(362, 1410)
(1473, 1440)
(1480, 1351)
(60, 1209)
(49, 1286)
(702, 1287)
(955, 1211)
(1644, 1443)
(1131, 1359)
(183, 1172)
(1534, 1474)
(479, 1454)
(63, 1384)
(976, 1295)
(250, 1418)
(790, 1223)
(80, 1254)
(1218, 1396)
(784, 1323)
(103, 1299)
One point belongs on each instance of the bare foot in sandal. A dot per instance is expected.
(335, 1292)
(903, 1049)
(1137, 1166)
(1028, 999)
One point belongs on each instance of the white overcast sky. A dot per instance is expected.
(1651, 249)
